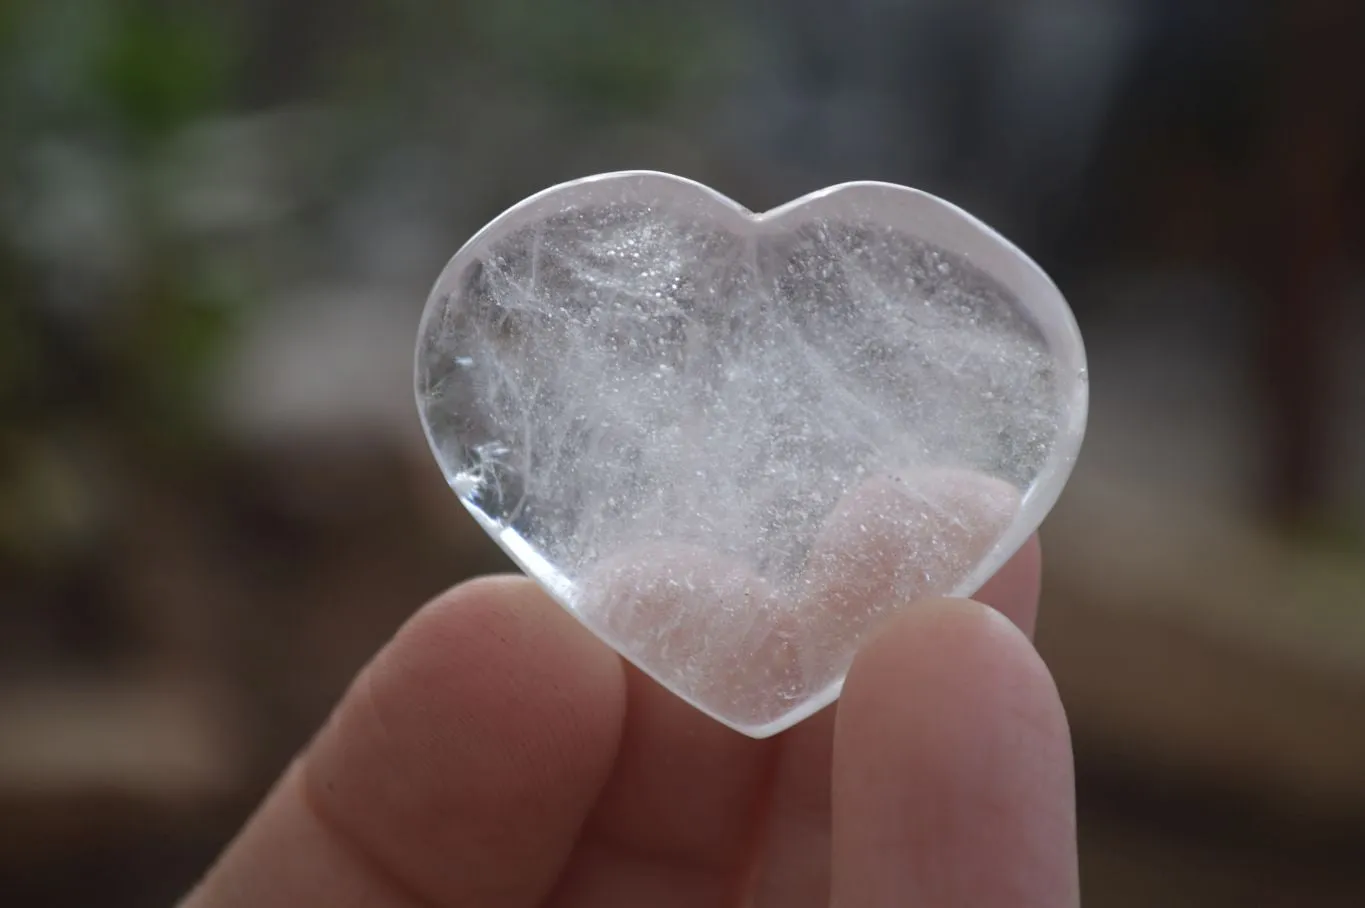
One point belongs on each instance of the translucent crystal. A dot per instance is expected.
(733, 444)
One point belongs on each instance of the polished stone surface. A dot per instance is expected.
(733, 444)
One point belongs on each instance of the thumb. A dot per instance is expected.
(457, 770)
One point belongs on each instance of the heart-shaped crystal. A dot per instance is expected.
(733, 444)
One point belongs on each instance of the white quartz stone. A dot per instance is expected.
(733, 444)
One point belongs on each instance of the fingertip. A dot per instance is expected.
(491, 712)
(952, 770)
(982, 634)
(1015, 589)
(893, 540)
(510, 623)
(493, 671)
(458, 769)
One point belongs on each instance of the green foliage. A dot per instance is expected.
(598, 58)
(114, 70)
(161, 65)
(178, 332)
(612, 56)
(116, 80)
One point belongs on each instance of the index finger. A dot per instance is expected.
(952, 772)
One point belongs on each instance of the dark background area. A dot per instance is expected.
(219, 223)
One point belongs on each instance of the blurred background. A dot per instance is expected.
(219, 223)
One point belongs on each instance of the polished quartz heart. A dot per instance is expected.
(733, 444)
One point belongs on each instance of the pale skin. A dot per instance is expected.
(495, 754)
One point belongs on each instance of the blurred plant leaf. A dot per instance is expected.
(163, 64)
(620, 57)
(183, 324)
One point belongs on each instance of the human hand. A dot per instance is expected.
(495, 754)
